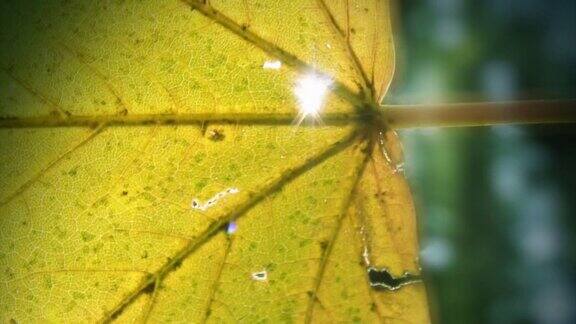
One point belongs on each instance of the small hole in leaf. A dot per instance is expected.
(260, 276)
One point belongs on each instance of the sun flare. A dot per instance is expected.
(310, 91)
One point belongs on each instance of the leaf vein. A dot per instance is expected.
(271, 49)
(80, 58)
(229, 214)
(172, 119)
(50, 165)
(344, 37)
(357, 171)
(214, 286)
(56, 109)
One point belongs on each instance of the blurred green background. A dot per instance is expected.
(496, 205)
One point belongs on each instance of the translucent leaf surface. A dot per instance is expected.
(160, 163)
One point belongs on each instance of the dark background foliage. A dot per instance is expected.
(496, 204)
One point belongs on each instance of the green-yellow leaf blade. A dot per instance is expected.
(102, 221)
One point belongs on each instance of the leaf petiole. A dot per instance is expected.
(480, 114)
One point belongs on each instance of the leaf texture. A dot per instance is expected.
(134, 133)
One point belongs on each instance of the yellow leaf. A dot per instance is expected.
(193, 161)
